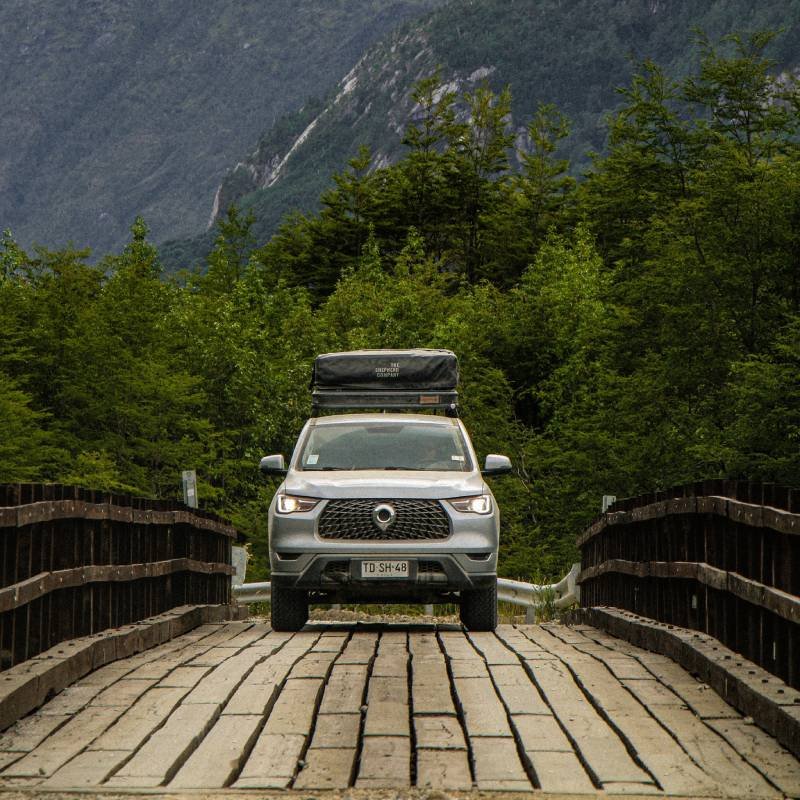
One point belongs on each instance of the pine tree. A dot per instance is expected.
(478, 158)
(228, 259)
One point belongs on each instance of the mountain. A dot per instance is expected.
(113, 108)
(574, 53)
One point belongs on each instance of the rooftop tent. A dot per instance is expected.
(387, 369)
(409, 379)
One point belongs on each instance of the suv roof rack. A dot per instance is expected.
(386, 379)
(330, 399)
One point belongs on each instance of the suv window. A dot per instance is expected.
(385, 445)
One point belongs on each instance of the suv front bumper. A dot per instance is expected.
(433, 577)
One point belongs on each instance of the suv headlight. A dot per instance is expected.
(289, 504)
(479, 504)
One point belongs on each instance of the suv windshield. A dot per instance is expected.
(385, 445)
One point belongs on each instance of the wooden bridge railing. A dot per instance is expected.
(74, 562)
(722, 557)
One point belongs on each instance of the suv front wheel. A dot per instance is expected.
(479, 608)
(289, 608)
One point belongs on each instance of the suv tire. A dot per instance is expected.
(479, 608)
(288, 609)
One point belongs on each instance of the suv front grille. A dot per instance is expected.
(352, 519)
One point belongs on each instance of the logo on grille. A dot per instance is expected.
(384, 516)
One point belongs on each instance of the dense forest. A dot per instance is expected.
(626, 331)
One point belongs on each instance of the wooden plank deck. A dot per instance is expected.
(235, 705)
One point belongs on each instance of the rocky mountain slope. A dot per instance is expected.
(113, 108)
(574, 53)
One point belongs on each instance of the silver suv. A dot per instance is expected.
(384, 508)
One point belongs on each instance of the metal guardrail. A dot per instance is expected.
(530, 596)
(252, 592)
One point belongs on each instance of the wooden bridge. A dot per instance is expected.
(149, 684)
(564, 709)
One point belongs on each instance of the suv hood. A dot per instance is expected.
(384, 484)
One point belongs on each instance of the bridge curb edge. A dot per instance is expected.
(750, 689)
(28, 685)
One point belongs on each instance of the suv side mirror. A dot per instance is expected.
(273, 465)
(496, 465)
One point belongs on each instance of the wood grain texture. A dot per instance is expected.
(49, 510)
(568, 710)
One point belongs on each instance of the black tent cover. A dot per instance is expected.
(379, 370)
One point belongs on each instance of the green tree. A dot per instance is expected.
(424, 174)
(56, 288)
(228, 259)
(27, 449)
(761, 439)
(478, 159)
(545, 183)
(96, 470)
(125, 390)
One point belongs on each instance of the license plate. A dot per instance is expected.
(385, 569)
